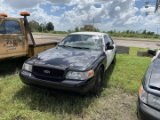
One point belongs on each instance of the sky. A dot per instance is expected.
(106, 15)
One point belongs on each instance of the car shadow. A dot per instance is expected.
(54, 102)
(11, 66)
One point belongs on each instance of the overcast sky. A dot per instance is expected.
(105, 14)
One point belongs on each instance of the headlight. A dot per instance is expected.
(143, 95)
(154, 101)
(27, 67)
(149, 99)
(80, 75)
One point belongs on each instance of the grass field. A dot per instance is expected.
(116, 102)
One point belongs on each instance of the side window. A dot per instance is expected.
(106, 39)
(110, 40)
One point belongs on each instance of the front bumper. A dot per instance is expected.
(146, 112)
(65, 85)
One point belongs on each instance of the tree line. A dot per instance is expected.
(36, 27)
(49, 27)
(132, 33)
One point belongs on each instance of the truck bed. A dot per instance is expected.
(42, 43)
(45, 40)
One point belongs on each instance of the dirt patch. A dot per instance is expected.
(118, 105)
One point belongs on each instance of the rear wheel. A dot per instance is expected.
(98, 84)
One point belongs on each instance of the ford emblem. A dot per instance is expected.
(46, 71)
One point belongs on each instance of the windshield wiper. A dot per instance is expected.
(73, 47)
(80, 47)
(64, 46)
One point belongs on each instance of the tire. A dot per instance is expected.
(98, 84)
(114, 59)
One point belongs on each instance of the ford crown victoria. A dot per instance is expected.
(76, 64)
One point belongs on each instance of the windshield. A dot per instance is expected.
(10, 27)
(82, 41)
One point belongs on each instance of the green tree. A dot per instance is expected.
(69, 31)
(76, 29)
(144, 32)
(81, 29)
(42, 27)
(34, 25)
(96, 30)
(50, 26)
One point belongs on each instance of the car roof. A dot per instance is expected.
(88, 33)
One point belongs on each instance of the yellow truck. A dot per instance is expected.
(17, 40)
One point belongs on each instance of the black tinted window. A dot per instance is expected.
(110, 40)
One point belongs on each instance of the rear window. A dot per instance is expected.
(10, 27)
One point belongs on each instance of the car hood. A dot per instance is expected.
(68, 57)
(154, 81)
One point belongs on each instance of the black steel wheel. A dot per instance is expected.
(98, 84)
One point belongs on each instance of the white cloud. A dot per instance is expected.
(110, 14)
(134, 20)
(56, 8)
(117, 8)
(20, 4)
(144, 10)
(60, 1)
(42, 17)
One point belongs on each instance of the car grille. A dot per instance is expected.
(47, 73)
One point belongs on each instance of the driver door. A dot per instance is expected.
(107, 52)
(15, 43)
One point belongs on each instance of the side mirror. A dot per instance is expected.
(56, 43)
(110, 48)
(107, 44)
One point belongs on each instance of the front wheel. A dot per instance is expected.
(98, 84)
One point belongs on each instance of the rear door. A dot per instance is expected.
(15, 42)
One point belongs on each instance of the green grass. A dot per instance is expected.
(128, 72)
(122, 80)
(134, 50)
